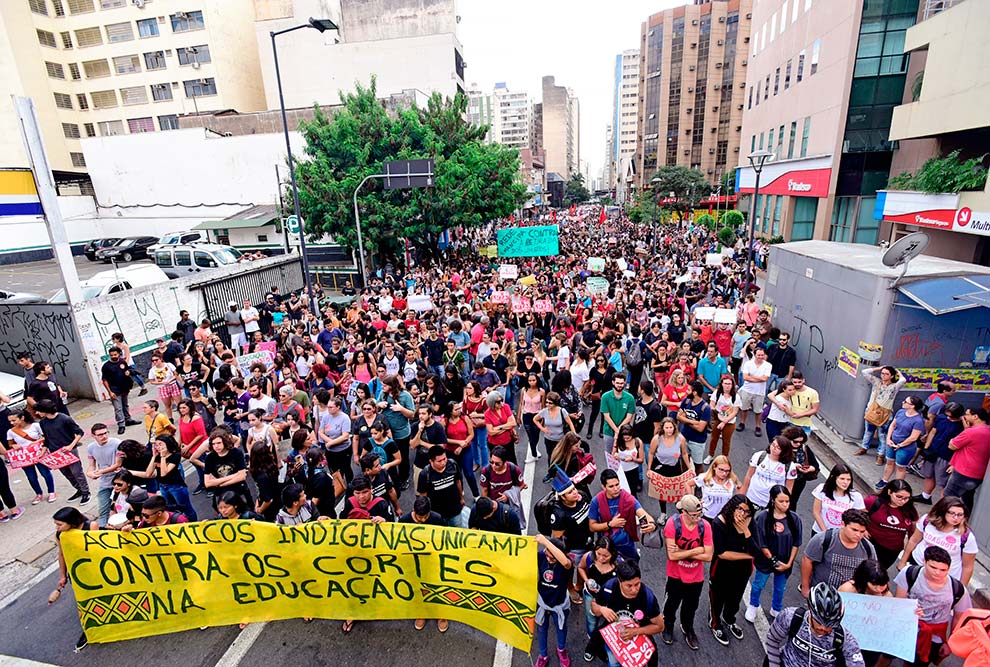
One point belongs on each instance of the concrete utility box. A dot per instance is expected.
(845, 312)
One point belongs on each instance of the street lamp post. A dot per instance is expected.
(756, 159)
(322, 25)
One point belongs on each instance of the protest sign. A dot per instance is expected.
(520, 304)
(527, 280)
(704, 313)
(420, 302)
(171, 578)
(245, 361)
(847, 361)
(543, 306)
(613, 463)
(725, 316)
(882, 624)
(713, 259)
(633, 653)
(622, 264)
(682, 279)
(58, 459)
(870, 351)
(536, 241)
(500, 296)
(508, 272)
(267, 346)
(670, 489)
(596, 264)
(25, 456)
(597, 285)
(628, 274)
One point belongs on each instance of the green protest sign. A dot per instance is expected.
(528, 241)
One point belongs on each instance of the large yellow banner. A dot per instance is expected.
(225, 572)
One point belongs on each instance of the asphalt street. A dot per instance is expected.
(44, 278)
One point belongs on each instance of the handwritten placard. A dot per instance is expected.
(597, 285)
(501, 296)
(26, 456)
(886, 625)
(713, 259)
(670, 489)
(704, 313)
(596, 264)
(420, 302)
(58, 459)
(538, 241)
(521, 304)
(725, 316)
(508, 271)
(268, 346)
(633, 653)
(245, 361)
(543, 306)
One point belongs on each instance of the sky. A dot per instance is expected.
(520, 41)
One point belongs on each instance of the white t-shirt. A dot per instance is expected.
(950, 541)
(250, 327)
(776, 414)
(564, 359)
(714, 495)
(33, 432)
(768, 473)
(832, 509)
(724, 403)
(579, 375)
(749, 367)
(162, 374)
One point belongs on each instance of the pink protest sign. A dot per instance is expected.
(543, 306)
(268, 346)
(26, 456)
(633, 653)
(58, 459)
(521, 304)
(501, 296)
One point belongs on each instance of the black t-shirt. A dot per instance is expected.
(41, 390)
(223, 466)
(227, 400)
(676, 333)
(268, 490)
(645, 418)
(442, 490)
(381, 485)
(499, 365)
(781, 359)
(574, 522)
(117, 376)
(362, 429)
(552, 581)
(175, 476)
(194, 373)
(434, 520)
(504, 520)
(335, 360)
(645, 603)
(434, 435)
(319, 489)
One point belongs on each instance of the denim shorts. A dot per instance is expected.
(902, 457)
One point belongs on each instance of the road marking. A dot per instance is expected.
(241, 645)
(503, 652)
(26, 586)
(11, 661)
(762, 624)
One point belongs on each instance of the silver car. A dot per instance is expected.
(12, 386)
(20, 297)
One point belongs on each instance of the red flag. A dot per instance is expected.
(554, 214)
(601, 218)
(573, 209)
(512, 217)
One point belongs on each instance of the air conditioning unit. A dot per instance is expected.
(161, 19)
(689, 110)
(721, 19)
(175, 84)
(687, 131)
(168, 53)
(694, 21)
(138, 3)
(745, 40)
(740, 107)
(742, 85)
(690, 68)
(181, 15)
(717, 86)
(738, 128)
(711, 151)
(715, 108)
(711, 171)
(714, 130)
(690, 89)
(694, 45)
(721, 42)
(749, 15)
(736, 149)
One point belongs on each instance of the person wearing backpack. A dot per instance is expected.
(777, 534)
(493, 516)
(813, 636)
(690, 545)
(832, 555)
(625, 597)
(635, 354)
(940, 597)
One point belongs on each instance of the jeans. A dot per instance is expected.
(32, 475)
(759, 583)
(480, 446)
(453, 522)
(121, 411)
(773, 428)
(962, 487)
(532, 433)
(881, 431)
(590, 620)
(177, 495)
(543, 629)
(103, 504)
(463, 461)
(686, 597)
(402, 470)
(138, 380)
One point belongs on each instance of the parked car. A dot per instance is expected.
(20, 297)
(94, 246)
(12, 387)
(183, 260)
(177, 238)
(127, 250)
(117, 280)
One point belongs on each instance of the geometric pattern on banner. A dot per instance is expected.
(113, 609)
(518, 614)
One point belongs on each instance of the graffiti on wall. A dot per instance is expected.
(45, 331)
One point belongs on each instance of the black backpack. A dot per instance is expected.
(838, 637)
(958, 590)
(830, 536)
(542, 510)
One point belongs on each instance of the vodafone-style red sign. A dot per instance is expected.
(798, 183)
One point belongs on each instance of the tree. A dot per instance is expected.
(473, 182)
(688, 185)
(726, 236)
(575, 192)
(706, 221)
(732, 219)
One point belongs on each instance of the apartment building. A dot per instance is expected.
(823, 80)
(561, 120)
(512, 117)
(108, 67)
(625, 94)
(536, 133)
(693, 62)
(479, 111)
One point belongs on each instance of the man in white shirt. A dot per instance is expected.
(580, 371)
(251, 318)
(261, 401)
(756, 373)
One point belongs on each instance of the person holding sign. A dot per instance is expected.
(814, 636)
(25, 433)
(6, 495)
(626, 599)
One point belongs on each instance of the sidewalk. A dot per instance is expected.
(832, 448)
(27, 545)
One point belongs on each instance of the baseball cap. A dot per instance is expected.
(689, 503)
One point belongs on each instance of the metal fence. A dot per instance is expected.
(933, 7)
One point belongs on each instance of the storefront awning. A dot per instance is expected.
(948, 295)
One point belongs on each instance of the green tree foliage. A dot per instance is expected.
(733, 219)
(726, 236)
(688, 185)
(706, 221)
(943, 174)
(641, 208)
(575, 192)
(473, 182)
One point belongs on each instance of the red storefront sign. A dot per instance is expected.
(797, 183)
(935, 218)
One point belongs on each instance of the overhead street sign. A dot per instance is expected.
(404, 174)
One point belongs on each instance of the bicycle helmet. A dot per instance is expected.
(825, 605)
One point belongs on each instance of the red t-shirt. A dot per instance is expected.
(672, 394)
(188, 431)
(723, 340)
(973, 452)
(493, 418)
(688, 571)
(456, 431)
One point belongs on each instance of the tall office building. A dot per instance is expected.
(624, 119)
(536, 134)
(822, 83)
(479, 111)
(608, 166)
(511, 125)
(107, 67)
(692, 73)
(561, 115)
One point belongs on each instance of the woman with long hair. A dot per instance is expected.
(166, 465)
(264, 471)
(24, 432)
(674, 393)
(460, 434)
(769, 468)
(553, 421)
(595, 569)
(570, 399)
(946, 525)
(68, 519)
(668, 455)
(780, 408)
(532, 399)
(833, 497)
(885, 382)
(804, 458)
(777, 535)
(870, 578)
(192, 434)
(628, 449)
(362, 367)
(473, 407)
(732, 564)
(892, 519)
(717, 485)
(570, 456)
(725, 406)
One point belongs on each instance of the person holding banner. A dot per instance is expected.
(24, 433)
(552, 603)
(6, 495)
(627, 600)
(668, 456)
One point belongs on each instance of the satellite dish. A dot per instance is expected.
(903, 251)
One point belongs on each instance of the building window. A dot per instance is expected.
(805, 211)
(38, 7)
(758, 82)
(70, 130)
(89, 37)
(55, 70)
(46, 38)
(776, 82)
(161, 92)
(200, 87)
(63, 101)
(154, 60)
(780, 143)
(842, 220)
(90, 129)
(773, 27)
(787, 75)
(800, 67)
(147, 28)
(766, 89)
(83, 101)
(262, 238)
(815, 53)
(74, 71)
(59, 9)
(112, 4)
(110, 128)
(81, 6)
(169, 122)
(66, 40)
(749, 105)
(762, 137)
(804, 136)
(186, 21)
(790, 144)
(77, 159)
(127, 64)
(193, 54)
(136, 125)
(776, 216)
(134, 95)
(120, 32)
(104, 99)
(783, 16)
(752, 144)
(867, 228)
(770, 141)
(96, 69)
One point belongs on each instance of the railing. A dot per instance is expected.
(933, 7)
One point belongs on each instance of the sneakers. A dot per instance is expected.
(144, 390)
(690, 639)
(735, 630)
(542, 661)
(881, 483)
(921, 499)
(915, 468)
(588, 657)
(565, 660)
(532, 459)
(82, 642)
(751, 613)
(859, 451)
(132, 422)
(707, 461)
(757, 431)
(198, 490)
(667, 636)
(52, 497)
(720, 636)
(740, 427)
(121, 430)
(881, 460)
(37, 499)
(84, 499)
(774, 613)
(75, 496)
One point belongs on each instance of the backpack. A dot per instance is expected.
(634, 352)
(830, 537)
(360, 513)
(677, 529)
(542, 510)
(962, 542)
(838, 638)
(958, 590)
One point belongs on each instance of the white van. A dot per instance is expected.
(111, 282)
(178, 261)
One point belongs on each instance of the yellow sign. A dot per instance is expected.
(848, 361)
(528, 280)
(225, 572)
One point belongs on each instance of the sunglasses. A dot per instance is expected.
(148, 515)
